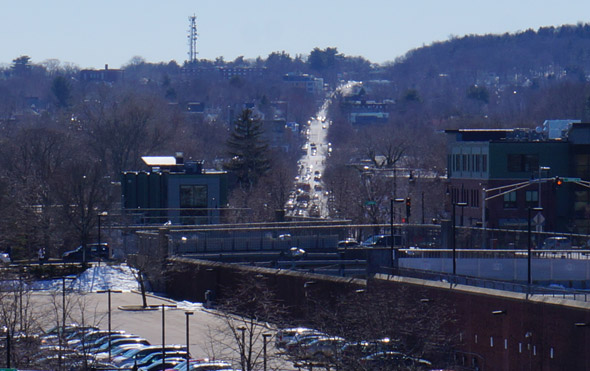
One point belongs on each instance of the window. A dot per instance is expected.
(465, 166)
(510, 200)
(484, 163)
(477, 162)
(518, 163)
(531, 198)
(193, 197)
(457, 162)
(582, 165)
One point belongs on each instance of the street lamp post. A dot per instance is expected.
(63, 313)
(164, 306)
(391, 214)
(102, 213)
(243, 347)
(109, 291)
(187, 314)
(7, 330)
(460, 204)
(529, 247)
(264, 341)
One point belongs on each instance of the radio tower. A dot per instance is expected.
(192, 39)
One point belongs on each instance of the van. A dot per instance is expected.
(556, 243)
(93, 251)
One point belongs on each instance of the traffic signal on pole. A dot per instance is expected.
(408, 208)
(558, 181)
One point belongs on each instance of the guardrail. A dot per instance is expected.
(571, 294)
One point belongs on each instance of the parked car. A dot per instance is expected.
(322, 349)
(93, 251)
(379, 240)
(348, 243)
(82, 342)
(159, 365)
(295, 347)
(127, 359)
(5, 258)
(383, 360)
(200, 365)
(285, 335)
(359, 349)
(556, 243)
(117, 342)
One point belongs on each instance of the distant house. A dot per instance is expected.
(365, 111)
(311, 84)
(174, 191)
(195, 107)
(223, 73)
(106, 75)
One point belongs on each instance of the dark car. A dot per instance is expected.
(380, 240)
(93, 251)
(348, 243)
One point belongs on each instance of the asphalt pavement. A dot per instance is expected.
(208, 329)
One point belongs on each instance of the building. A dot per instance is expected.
(106, 75)
(174, 191)
(311, 84)
(487, 159)
(363, 111)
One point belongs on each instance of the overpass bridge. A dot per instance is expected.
(419, 248)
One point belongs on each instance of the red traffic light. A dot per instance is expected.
(558, 181)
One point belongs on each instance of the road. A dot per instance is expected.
(311, 197)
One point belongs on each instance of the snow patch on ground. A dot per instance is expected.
(115, 277)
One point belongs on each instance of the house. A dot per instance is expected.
(106, 75)
(480, 161)
(174, 191)
(311, 84)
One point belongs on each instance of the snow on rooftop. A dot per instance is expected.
(159, 160)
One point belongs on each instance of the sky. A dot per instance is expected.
(91, 34)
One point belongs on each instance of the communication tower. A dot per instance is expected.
(192, 38)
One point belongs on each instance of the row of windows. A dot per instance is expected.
(520, 163)
(470, 196)
(469, 163)
(531, 199)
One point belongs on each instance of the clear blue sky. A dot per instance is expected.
(95, 33)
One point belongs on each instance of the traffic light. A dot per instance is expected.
(557, 182)
(408, 209)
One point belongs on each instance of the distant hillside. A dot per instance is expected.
(500, 77)
(550, 50)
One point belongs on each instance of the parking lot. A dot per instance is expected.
(205, 326)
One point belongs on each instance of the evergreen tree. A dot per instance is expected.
(247, 150)
(62, 91)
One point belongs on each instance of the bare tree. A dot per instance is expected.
(248, 314)
(417, 327)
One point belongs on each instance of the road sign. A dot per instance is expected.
(571, 180)
(539, 219)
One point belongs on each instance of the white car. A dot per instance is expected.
(5, 258)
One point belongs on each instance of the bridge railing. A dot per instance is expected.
(556, 292)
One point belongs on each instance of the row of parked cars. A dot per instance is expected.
(310, 347)
(87, 347)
